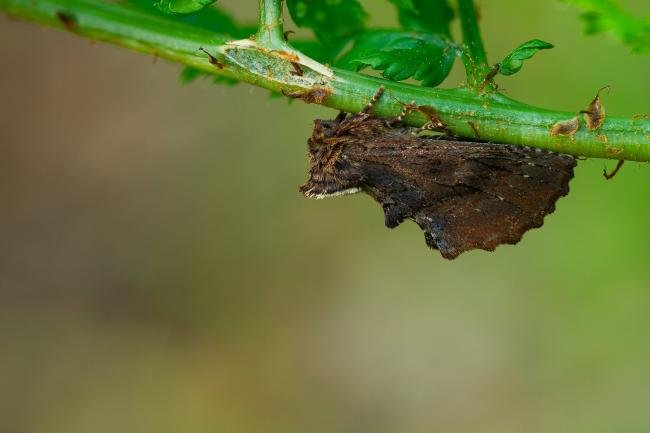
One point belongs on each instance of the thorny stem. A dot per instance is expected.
(495, 117)
(478, 63)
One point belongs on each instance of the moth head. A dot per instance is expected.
(323, 133)
(331, 173)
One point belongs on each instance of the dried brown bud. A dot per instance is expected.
(566, 127)
(315, 95)
(594, 115)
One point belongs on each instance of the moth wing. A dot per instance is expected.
(505, 192)
(467, 196)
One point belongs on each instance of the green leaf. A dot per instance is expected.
(367, 44)
(209, 18)
(316, 50)
(425, 16)
(190, 74)
(404, 4)
(181, 7)
(513, 62)
(220, 79)
(601, 16)
(400, 55)
(332, 21)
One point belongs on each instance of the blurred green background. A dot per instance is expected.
(160, 272)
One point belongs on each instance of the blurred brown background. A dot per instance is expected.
(160, 272)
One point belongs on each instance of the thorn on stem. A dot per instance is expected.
(287, 33)
(474, 129)
(611, 175)
(493, 72)
(213, 60)
(68, 20)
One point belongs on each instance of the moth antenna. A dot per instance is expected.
(374, 99)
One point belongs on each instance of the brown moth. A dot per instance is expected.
(464, 195)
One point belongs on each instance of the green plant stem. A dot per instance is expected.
(478, 63)
(496, 117)
(271, 29)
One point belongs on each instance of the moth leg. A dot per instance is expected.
(341, 116)
(434, 125)
(406, 109)
(374, 99)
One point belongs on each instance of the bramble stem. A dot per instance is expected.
(271, 26)
(495, 117)
(478, 65)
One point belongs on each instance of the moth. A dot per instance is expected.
(464, 195)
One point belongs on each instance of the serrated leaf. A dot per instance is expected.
(601, 16)
(210, 18)
(367, 44)
(332, 21)
(181, 7)
(400, 55)
(425, 16)
(513, 62)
